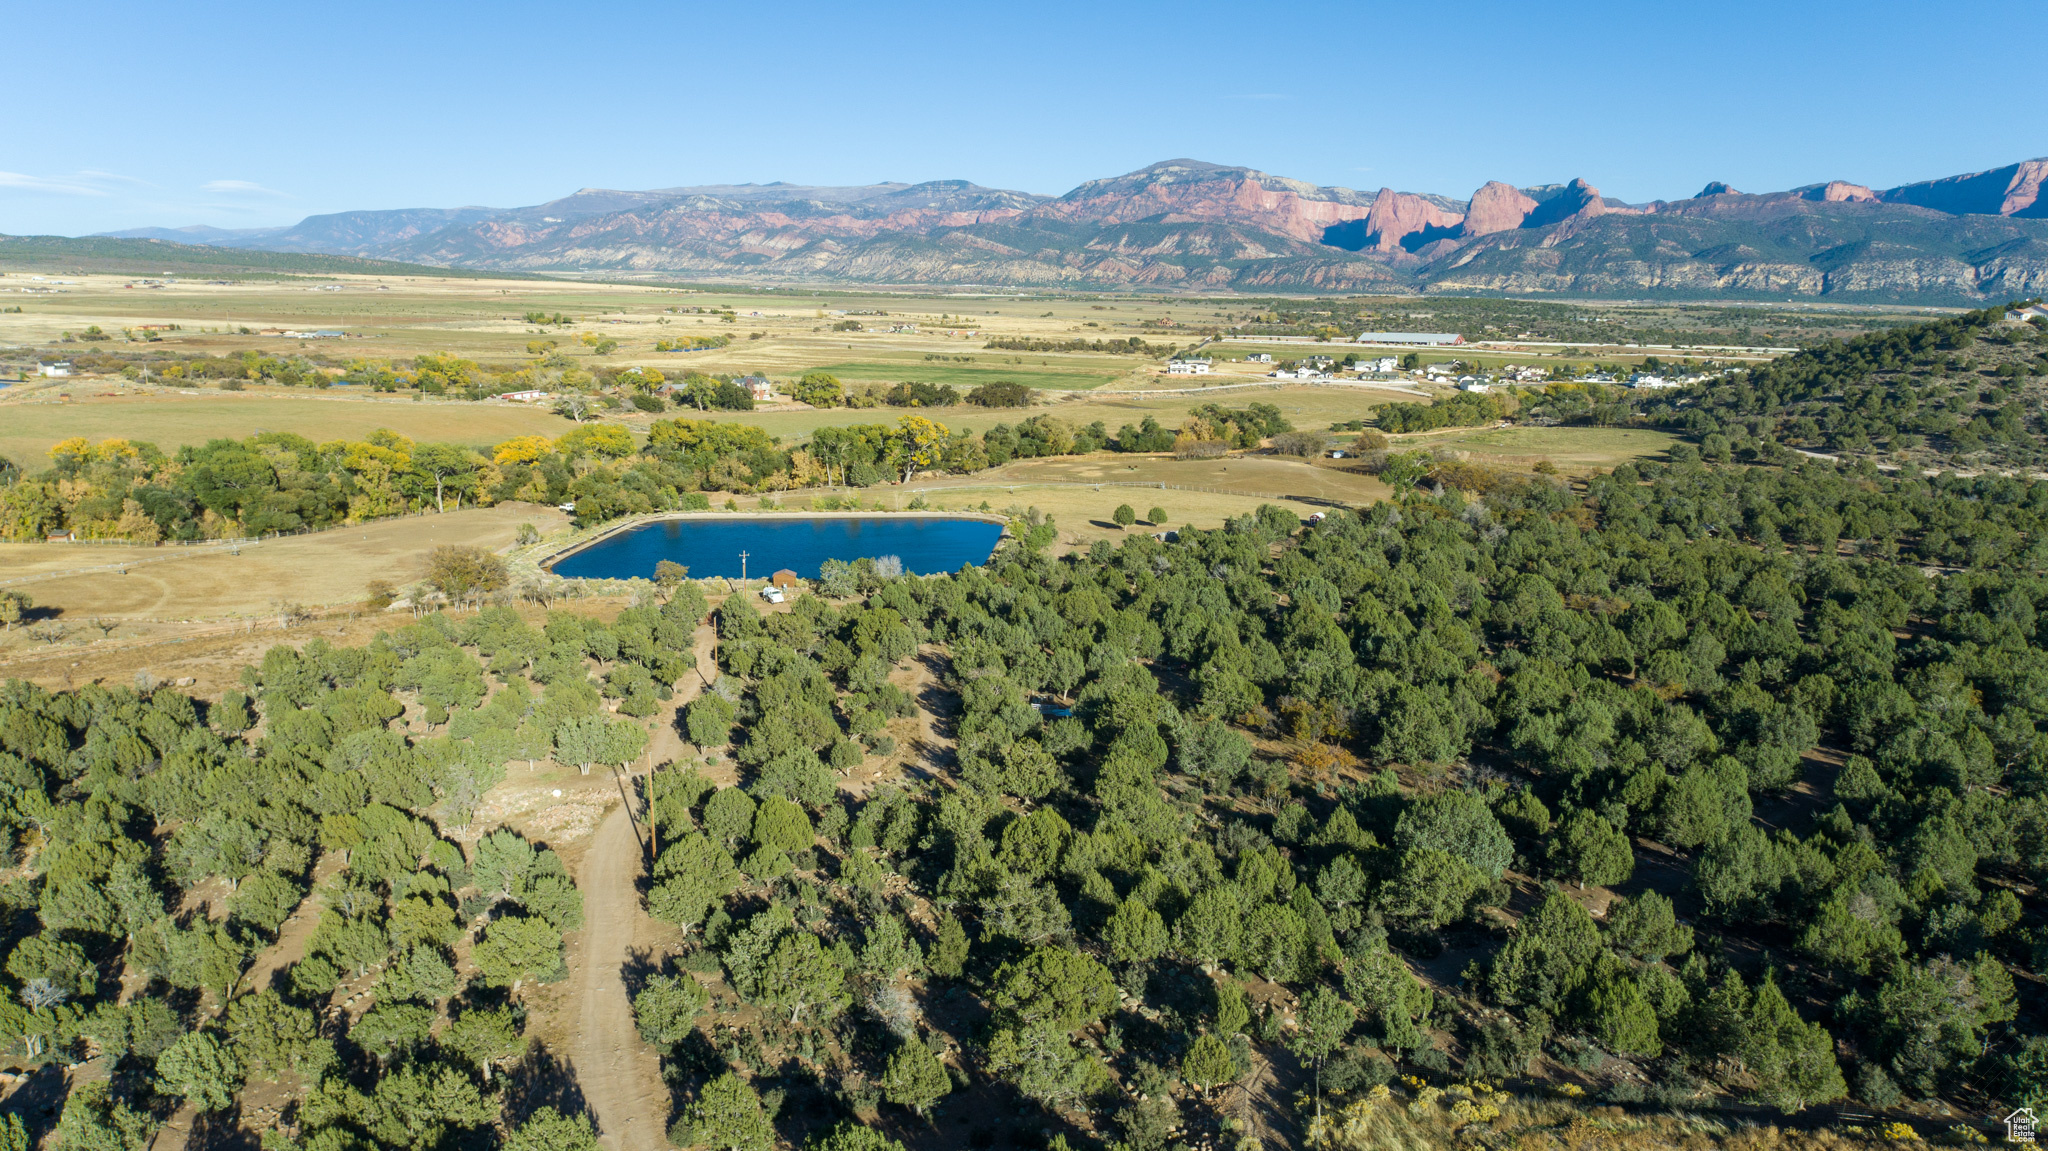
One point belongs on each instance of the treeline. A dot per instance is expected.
(825, 390)
(1458, 410)
(1134, 346)
(692, 343)
(281, 482)
(1209, 430)
(159, 843)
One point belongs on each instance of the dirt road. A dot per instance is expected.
(619, 1073)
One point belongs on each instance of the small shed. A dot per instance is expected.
(783, 579)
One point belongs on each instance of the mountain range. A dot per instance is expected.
(1196, 226)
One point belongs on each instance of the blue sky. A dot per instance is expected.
(242, 115)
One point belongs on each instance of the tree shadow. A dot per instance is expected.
(542, 1079)
(39, 1101)
(221, 1131)
(641, 965)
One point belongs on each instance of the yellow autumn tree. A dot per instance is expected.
(918, 443)
(523, 450)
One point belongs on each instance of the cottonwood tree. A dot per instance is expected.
(465, 573)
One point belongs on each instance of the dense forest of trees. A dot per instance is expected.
(120, 807)
(1322, 758)
(1307, 761)
(1964, 391)
(1698, 783)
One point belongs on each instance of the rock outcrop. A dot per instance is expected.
(1180, 191)
(1840, 192)
(1396, 216)
(1716, 188)
(1577, 200)
(1496, 207)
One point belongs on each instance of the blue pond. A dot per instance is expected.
(712, 547)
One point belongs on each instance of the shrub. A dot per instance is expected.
(1002, 394)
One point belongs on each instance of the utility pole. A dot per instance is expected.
(743, 567)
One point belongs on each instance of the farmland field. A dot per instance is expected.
(1037, 373)
(169, 419)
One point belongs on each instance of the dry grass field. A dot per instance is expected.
(140, 590)
(1572, 449)
(168, 418)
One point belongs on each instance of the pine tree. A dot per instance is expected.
(950, 956)
(727, 1115)
(915, 1077)
(1208, 1063)
(549, 1130)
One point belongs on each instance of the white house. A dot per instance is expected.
(57, 370)
(1378, 364)
(760, 387)
(1473, 384)
(1259, 358)
(1191, 366)
(526, 397)
(1644, 380)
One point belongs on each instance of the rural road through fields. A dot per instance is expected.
(619, 1074)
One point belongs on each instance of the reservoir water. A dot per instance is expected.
(712, 547)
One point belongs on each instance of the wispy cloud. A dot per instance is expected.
(98, 176)
(57, 187)
(240, 188)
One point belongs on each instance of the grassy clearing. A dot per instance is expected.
(1570, 448)
(170, 420)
